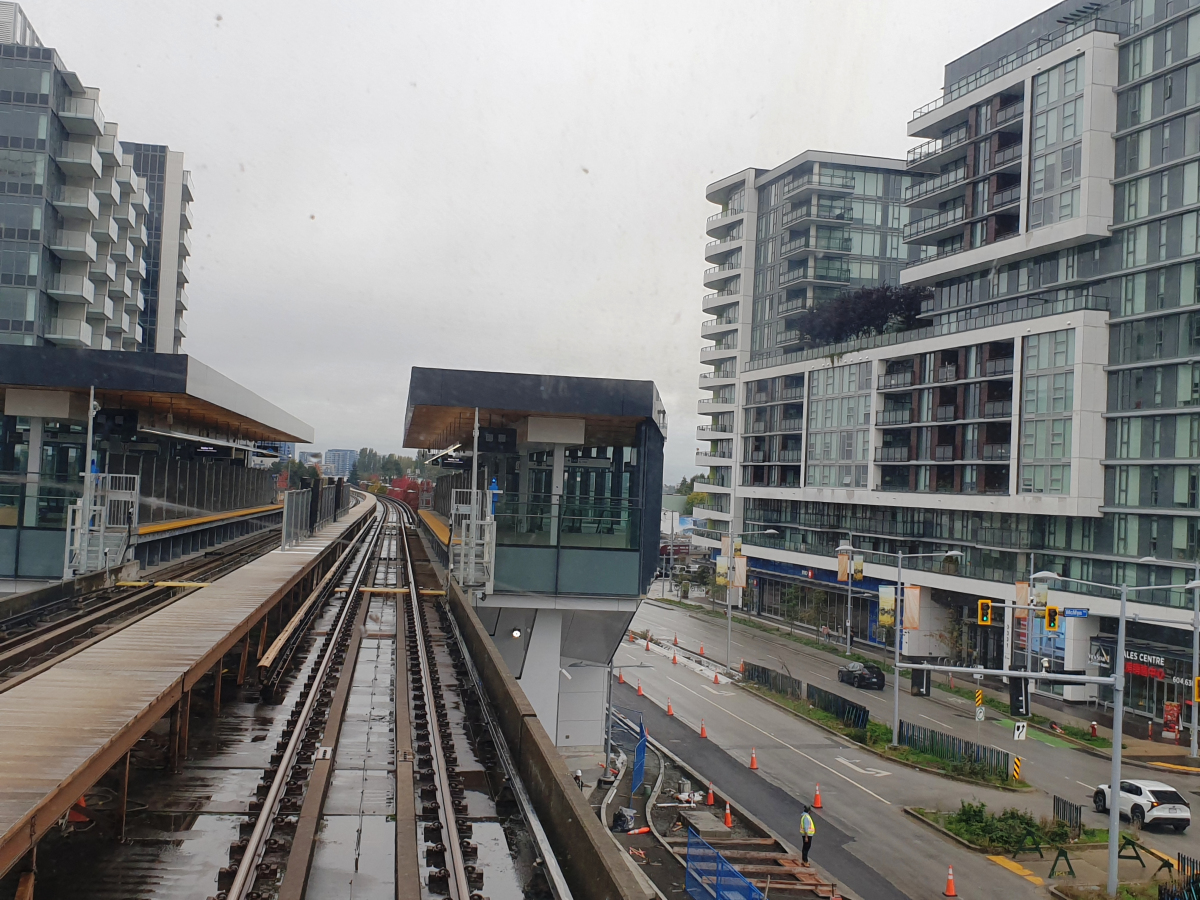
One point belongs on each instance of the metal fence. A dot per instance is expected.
(710, 877)
(1189, 867)
(178, 488)
(1070, 813)
(1187, 885)
(851, 713)
(775, 681)
(954, 749)
(297, 507)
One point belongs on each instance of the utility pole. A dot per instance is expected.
(1195, 658)
(471, 528)
(849, 592)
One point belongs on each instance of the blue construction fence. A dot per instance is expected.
(710, 877)
(954, 749)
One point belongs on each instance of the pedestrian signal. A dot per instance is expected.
(985, 612)
(1052, 618)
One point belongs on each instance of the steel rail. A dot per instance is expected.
(257, 843)
(459, 887)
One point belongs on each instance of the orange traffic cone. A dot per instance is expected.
(670, 711)
(728, 817)
(620, 677)
(674, 661)
(950, 892)
(753, 759)
(702, 649)
(716, 678)
(816, 804)
(710, 800)
(703, 730)
(75, 817)
(742, 668)
(641, 693)
(631, 637)
(647, 643)
(677, 639)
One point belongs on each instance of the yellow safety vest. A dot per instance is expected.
(807, 827)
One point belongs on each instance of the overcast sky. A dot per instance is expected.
(510, 186)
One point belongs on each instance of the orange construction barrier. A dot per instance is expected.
(753, 759)
(703, 730)
(709, 802)
(816, 804)
(620, 677)
(670, 711)
(641, 693)
(728, 817)
(950, 892)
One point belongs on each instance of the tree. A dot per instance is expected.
(685, 485)
(353, 479)
(693, 500)
(866, 311)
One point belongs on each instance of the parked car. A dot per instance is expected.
(862, 675)
(1148, 803)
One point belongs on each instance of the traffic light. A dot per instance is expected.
(985, 612)
(1196, 690)
(1052, 618)
(1018, 697)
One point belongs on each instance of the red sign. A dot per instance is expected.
(1171, 713)
(1134, 668)
(281, 481)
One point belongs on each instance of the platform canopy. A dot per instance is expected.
(442, 404)
(170, 391)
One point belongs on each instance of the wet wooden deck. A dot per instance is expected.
(61, 730)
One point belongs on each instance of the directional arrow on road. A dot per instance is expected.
(878, 773)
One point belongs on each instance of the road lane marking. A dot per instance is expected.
(826, 677)
(785, 743)
(878, 773)
(1088, 786)
(932, 719)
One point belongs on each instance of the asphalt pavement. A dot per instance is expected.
(1050, 764)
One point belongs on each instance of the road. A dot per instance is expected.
(1049, 764)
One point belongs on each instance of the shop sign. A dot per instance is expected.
(1135, 668)
(1181, 680)
(1148, 658)
(1171, 713)
(1098, 655)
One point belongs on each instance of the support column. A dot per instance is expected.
(123, 805)
(173, 738)
(262, 638)
(216, 704)
(33, 474)
(25, 887)
(185, 712)
(241, 679)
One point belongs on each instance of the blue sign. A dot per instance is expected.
(639, 763)
(1074, 612)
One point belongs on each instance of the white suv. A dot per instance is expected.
(1148, 803)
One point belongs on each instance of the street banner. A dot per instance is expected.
(858, 568)
(739, 571)
(912, 607)
(722, 570)
(843, 567)
(1041, 594)
(887, 606)
(1022, 600)
(725, 546)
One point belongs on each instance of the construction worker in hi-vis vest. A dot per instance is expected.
(807, 830)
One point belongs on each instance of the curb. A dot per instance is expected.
(853, 743)
(911, 811)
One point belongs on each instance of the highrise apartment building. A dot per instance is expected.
(338, 463)
(73, 211)
(1046, 414)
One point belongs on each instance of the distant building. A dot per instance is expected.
(338, 463)
(310, 457)
(73, 213)
(269, 452)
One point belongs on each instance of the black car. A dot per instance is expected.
(862, 675)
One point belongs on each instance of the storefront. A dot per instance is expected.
(1156, 674)
(814, 598)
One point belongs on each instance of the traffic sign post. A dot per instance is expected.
(1019, 729)
(979, 714)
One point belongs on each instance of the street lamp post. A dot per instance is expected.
(896, 627)
(729, 602)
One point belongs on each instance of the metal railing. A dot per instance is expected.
(933, 223)
(852, 714)
(1005, 156)
(901, 416)
(993, 452)
(1069, 813)
(725, 214)
(820, 179)
(997, 409)
(954, 749)
(997, 367)
(1005, 197)
(891, 454)
(933, 185)
(937, 145)
(896, 380)
(101, 525)
(945, 414)
(947, 373)
(778, 682)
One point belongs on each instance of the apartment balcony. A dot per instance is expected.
(891, 454)
(840, 213)
(713, 379)
(793, 336)
(900, 416)
(125, 215)
(75, 202)
(943, 454)
(180, 327)
(188, 193)
(103, 270)
(946, 373)
(71, 289)
(945, 413)
(181, 300)
(997, 409)
(723, 219)
(929, 156)
(139, 268)
(718, 351)
(119, 324)
(708, 512)
(1006, 198)
(791, 425)
(80, 115)
(107, 191)
(994, 368)
(896, 380)
(719, 325)
(105, 230)
(710, 406)
(1009, 118)
(122, 251)
(713, 432)
(712, 302)
(933, 191)
(823, 182)
(121, 288)
(109, 149)
(1006, 160)
(822, 272)
(731, 243)
(932, 229)
(74, 245)
(719, 274)
(101, 310)
(184, 271)
(711, 485)
(70, 333)
(996, 452)
(139, 238)
(708, 458)
(78, 160)
(138, 201)
(128, 179)
(185, 244)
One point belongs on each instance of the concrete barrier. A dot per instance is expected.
(589, 860)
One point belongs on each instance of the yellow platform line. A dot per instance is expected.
(1013, 866)
(204, 520)
(178, 584)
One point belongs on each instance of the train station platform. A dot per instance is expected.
(64, 728)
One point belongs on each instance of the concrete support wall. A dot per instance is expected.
(540, 678)
(1078, 642)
